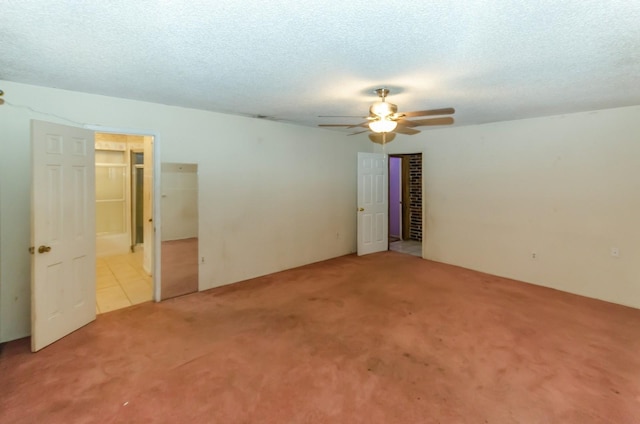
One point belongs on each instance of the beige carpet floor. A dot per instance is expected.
(385, 338)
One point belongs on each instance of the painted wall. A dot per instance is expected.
(272, 196)
(566, 188)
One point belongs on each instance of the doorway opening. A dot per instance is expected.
(124, 210)
(405, 203)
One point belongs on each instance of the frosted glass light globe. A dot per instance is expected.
(383, 125)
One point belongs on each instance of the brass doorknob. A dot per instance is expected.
(360, 209)
(43, 249)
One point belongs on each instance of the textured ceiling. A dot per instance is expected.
(295, 60)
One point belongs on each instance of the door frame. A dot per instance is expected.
(406, 199)
(156, 214)
(405, 229)
(134, 194)
(402, 182)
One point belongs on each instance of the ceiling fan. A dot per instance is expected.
(384, 120)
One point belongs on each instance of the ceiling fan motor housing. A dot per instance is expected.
(382, 109)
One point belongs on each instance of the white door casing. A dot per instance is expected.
(63, 261)
(395, 202)
(373, 203)
(147, 193)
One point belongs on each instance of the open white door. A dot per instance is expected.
(63, 265)
(373, 203)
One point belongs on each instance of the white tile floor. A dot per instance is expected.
(410, 247)
(121, 282)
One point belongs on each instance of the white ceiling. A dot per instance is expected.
(294, 60)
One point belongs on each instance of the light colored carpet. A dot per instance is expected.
(384, 338)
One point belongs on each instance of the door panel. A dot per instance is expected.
(373, 208)
(62, 231)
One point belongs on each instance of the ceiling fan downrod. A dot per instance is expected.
(381, 110)
(382, 93)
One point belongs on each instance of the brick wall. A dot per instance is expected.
(415, 196)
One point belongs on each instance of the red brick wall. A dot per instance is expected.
(415, 196)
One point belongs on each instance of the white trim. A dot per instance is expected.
(399, 187)
(401, 194)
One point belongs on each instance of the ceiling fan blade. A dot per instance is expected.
(341, 116)
(406, 130)
(431, 112)
(359, 132)
(405, 123)
(382, 138)
(433, 121)
(361, 124)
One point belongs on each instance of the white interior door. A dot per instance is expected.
(373, 203)
(63, 236)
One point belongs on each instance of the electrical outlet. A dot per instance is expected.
(615, 252)
(202, 260)
(534, 255)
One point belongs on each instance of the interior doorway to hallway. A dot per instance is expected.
(405, 203)
(124, 247)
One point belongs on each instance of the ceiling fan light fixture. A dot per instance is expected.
(384, 117)
(383, 109)
(383, 125)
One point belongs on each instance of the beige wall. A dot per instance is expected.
(565, 187)
(272, 195)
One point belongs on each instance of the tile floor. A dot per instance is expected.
(410, 247)
(121, 282)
